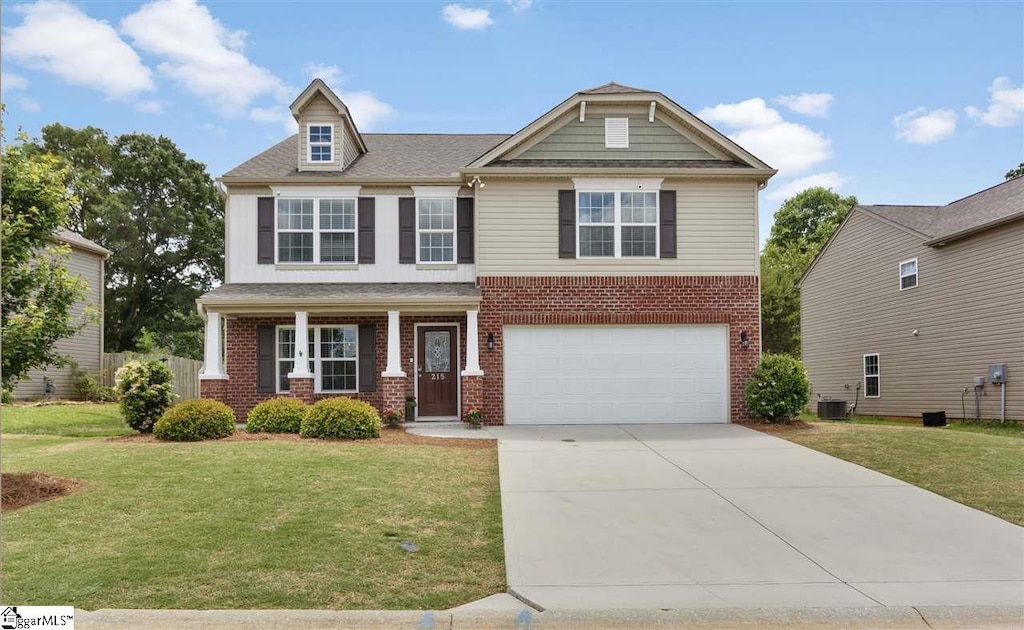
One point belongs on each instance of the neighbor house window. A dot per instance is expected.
(617, 224)
(908, 274)
(327, 235)
(435, 230)
(332, 356)
(321, 143)
(872, 376)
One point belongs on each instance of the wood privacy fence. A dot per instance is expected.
(186, 371)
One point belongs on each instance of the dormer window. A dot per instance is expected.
(321, 143)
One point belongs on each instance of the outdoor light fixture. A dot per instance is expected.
(490, 341)
(744, 339)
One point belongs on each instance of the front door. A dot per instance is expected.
(437, 375)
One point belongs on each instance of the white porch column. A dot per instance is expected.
(394, 367)
(472, 345)
(301, 365)
(211, 365)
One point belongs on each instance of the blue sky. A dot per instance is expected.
(902, 103)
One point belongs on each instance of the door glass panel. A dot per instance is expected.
(437, 348)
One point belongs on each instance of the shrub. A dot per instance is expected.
(341, 418)
(778, 389)
(277, 415)
(6, 397)
(194, 420)
(146, 393)
(87, 387)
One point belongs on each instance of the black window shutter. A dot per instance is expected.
(407, 230)
(668, 223)
(265, 231)
(266, 359)
(464, 224)
(367, 357)
(567, 224)
(367, 224)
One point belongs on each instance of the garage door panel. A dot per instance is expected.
(615, 374)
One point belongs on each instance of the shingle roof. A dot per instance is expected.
(615, 88)
(559, 163)
(388, 155)
(1000, 203)
(77, 240)
(340, 291)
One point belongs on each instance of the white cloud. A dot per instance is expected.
(1005, 107)
(27, 103)
(922, 126)
(203, 56)
(366, 109)
(10, 82)
(749, 113)
(806, 103)
(466, 19)
(327, 73)
(150, 107)
(518, 6)
(56, 37)
(277, 114)
(831, 179)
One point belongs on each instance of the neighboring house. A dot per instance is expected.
(600, 265)
(914, 302)
(85, 348)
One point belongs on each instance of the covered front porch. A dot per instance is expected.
(382, 343)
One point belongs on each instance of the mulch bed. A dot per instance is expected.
(794, 426)
(21, 489)
(388, 435)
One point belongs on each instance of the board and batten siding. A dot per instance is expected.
(577, 140)
(86, 347)
(968, 309)
(716, 231)
(241, 251)
(320, 110)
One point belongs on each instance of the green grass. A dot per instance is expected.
(252, 524)
(74, 420)
(974, 464)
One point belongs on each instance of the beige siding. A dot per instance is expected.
(87, 346)
(517, 228)
(350, 150)
(968, 310)
(320, 110)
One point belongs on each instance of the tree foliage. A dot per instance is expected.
(36, 289)
(1015, 173)
(803, 224)
(162, 216)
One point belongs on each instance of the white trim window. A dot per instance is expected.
(320, 140)
(435, 230)
(872, 376)
(617, 224)
(329, 236)
(333, 358)
(908, 274)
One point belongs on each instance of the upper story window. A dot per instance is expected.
(908, 274)
(872, 376)
(616, 133)
(321, 143)
(435, 230)
(327, 235)
(617, 224)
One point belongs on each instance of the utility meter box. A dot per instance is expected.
(997, 374)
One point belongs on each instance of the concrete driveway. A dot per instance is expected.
(673, 516)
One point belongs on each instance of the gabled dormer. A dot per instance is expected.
(328, 137)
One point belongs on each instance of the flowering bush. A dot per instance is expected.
(778, 389)
(475, 416)
(146, 392)
(393, 417)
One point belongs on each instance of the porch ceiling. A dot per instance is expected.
(348, 297)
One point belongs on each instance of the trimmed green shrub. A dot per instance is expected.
(341, 418)
(778, 388)
(277, 415)
(146, 392)
(7, 397)
(194, 420)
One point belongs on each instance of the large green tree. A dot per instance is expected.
(803, 224)
(1016, 172)
(160, 214)
(36, 289)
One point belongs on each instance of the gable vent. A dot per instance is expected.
(616, 133)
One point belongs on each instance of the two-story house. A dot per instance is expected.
(598, 266)
(916, 305)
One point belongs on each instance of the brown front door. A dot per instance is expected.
(437, 371)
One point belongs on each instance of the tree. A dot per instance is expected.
(36, 289)
(162, 216)
(1015, 173)
(803, 224)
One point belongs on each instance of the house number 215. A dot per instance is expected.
(437, 376)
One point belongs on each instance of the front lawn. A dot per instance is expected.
(977, 465)
(69, 420)
(270, 523)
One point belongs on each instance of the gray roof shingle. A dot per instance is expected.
(560, 163)
(74, 239)
(615, 88)
(340, 291)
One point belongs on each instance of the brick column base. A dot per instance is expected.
(473, 395)
(393, 394)
(213, 388)
(302, 388)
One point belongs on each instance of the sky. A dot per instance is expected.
(901, 103)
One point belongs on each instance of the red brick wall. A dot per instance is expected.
(731, 300)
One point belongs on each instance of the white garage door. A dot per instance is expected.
(616, 374)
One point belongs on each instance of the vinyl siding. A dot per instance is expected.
(87, 346)
(320, 110)
(968, 308)
(517, 228)
(349, 148)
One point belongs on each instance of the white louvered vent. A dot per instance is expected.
(616, 133)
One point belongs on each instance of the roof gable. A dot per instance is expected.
(318, 89)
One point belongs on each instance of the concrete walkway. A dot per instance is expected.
(693, 516)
